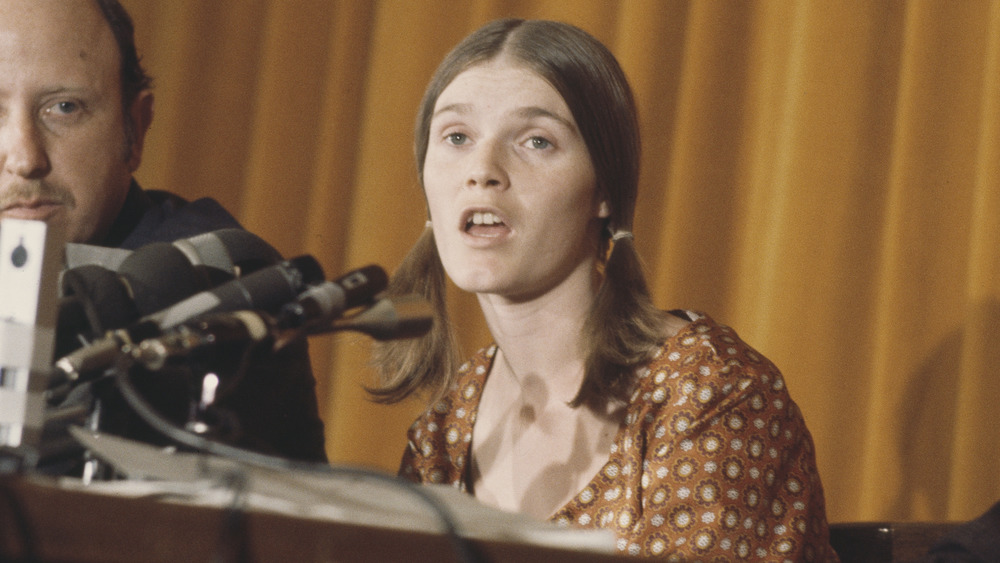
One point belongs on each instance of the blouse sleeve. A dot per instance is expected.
(729, 471)
(438, 443)
(430, 455)
(409, 466)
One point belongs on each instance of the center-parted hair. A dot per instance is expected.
(623, 326)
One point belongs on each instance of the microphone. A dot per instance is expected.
(317, 306)
(320, 304)
(266, 289)
(241, 327)
(96, 299)
(387, 319)
(160, 274)
(104, 289)
(390, 318)
(231, 251)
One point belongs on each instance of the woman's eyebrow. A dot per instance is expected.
(456, 108)
(526, 112)
(529, 112)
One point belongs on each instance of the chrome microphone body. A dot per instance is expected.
(243, 328)
(386, 319)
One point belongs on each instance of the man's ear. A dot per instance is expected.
(141, 112)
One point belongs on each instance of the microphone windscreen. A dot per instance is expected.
(267, 289)
(361, 285)
(270, 288)
(159, 275)
(79, 254)
(247, 251)
(94, 301)
(106, 299)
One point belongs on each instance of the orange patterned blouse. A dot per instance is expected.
(713, 461)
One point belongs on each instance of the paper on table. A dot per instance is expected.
(342, 494)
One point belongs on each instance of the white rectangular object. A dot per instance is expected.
(31, 255)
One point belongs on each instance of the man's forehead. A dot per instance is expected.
(62, 40)
(68, 27)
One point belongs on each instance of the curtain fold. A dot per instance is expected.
(979, 388)
(822, 176)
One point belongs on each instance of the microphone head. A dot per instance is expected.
(392, 318)
(303, 271)
(94, 301)
(362, 285)
(323, 302)
(267, 289)
(102, 296)
(234, 251)
(159, 275)
(247, 251)
(80, 254)
(105, 289)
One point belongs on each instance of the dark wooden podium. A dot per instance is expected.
(886, 542)
(74, 525)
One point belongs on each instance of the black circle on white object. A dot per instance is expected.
(19, 257)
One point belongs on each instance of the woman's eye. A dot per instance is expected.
(457, 138)
(539, 143)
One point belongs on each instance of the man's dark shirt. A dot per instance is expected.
(157, 216)
(267, 401)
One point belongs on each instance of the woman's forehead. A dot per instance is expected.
(503, 81)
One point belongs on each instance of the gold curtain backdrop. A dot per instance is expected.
(822, 176)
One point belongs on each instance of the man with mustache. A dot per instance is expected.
(75, 106)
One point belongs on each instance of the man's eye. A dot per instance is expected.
(63, 108)
(457, 138)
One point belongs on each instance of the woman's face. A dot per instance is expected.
(509, 183)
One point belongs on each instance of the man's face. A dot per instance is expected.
(64, 157)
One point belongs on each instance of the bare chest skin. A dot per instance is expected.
(531, 451)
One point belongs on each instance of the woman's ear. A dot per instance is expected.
(604, 210)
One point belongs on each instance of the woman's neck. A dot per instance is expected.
(544, 335)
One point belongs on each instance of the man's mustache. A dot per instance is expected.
(24, 192)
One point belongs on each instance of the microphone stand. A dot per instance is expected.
(87, 405)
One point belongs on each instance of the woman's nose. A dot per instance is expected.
(487, 167)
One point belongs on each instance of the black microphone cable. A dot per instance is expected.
(461, 546)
